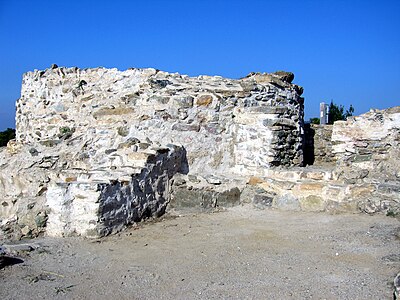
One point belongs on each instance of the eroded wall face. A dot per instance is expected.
(97, 148)
(225, 125)
(93, 207)
(367, 149)
(370, 137)
(318, 145)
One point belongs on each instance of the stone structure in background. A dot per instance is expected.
(323, 113)
(99, 149)
(356, 168)
(367, 150)
(318, 145)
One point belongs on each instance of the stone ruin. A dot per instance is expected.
(99, 149)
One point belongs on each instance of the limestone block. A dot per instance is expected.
(112, 112)
(360, 191)
(316, 175)
(186, 127)
(335, 192)
(287, 202)
(13, 147)
(204, 100)
(199, 198)
(183, 102)
(342, 206)
(308, 188)
(73, 209)
(263, 200)
(312, 203)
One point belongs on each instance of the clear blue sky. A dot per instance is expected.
(348, 51)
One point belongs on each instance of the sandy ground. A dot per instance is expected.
(241, 253)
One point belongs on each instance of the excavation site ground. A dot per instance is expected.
(239, 253)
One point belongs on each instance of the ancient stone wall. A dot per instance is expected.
(87, 205)
(368, 137)
(357, 169)
(364, 139)
(323, 154)
(225, 125)
(98, 149)
(318, 145)
(367, 151)
(58, 190)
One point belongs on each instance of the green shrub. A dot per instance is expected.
(6, 135)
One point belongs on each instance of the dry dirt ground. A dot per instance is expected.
(241, 253)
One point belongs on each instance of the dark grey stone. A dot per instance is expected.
(389, 188)
(263, 200)
(396, 283)
(193, 199)
(228, 198)
(33, 152)
(157, 83)
(123, 130)
(109, 151)
(284, 76)
(203, 199)
(214, 128)
(279, 122)
(268, 109)
(184, 102)
(41, 219)
(186, 127)
(287, 202)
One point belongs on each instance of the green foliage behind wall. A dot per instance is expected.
(6, 135)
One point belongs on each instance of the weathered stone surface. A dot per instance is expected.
(285, 76)
(359, 191)
(309, 187)
(263, 200)
(312, 203)
(90, 133)
(342, 207)
(375, 131)
(186, 127)
(184, 102)
(147, 102)
(97, 149)
(229, 197)
(204, 100)
(203, 198)
(104, 204)
(318, 145)
(112, 111)
(287, 202)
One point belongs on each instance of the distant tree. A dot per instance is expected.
(337, 113)
(6, 135)
(315, 121)
(349, 112)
